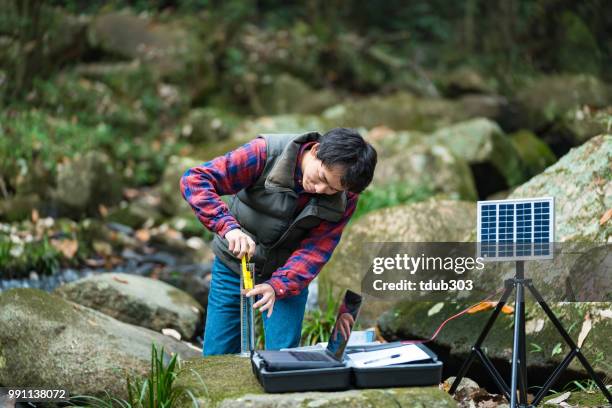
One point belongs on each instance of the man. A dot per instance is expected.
(294, 194)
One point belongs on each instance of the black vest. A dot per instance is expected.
(266, 210)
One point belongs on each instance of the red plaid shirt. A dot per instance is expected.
(203, 185)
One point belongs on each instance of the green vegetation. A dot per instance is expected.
(318, 323)
(391, 195)
(157, 390)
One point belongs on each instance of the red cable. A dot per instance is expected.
(461, 313)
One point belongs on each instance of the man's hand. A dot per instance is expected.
(240, 243)
(267, 299)
(344, 325)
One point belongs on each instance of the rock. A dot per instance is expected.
(172, 201)
(465, 389)
(546, 349)
(432, 167)
(429, 221)
(400, 111)
(495, 162)
(548, 101)
(84, 183)
(19, 207)
(584, 122)
(70, 346)
(208, 125)
(136, 300)
(230, 383)
(165, 47)
(534, 153)
(134, 214)
(289, 123)
(464, 80)
(581, 184)
(192, 279)
(287, 94)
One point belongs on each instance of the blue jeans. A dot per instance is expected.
(222, 330)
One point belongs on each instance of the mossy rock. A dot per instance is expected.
(534, 153)
(70, 346)
(480, 141)
(136, 300)
(546, 100)
(86, 182)
(428, 221)
(288, 123)
(400, 111)
(546, 348)
(581, 184)
(433, 167)
(229, 382)
(583, 399)
(288, 94)
(172, 201)
(208, 125)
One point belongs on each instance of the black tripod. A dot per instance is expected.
(519, 358)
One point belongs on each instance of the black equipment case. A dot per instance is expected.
(421, 373)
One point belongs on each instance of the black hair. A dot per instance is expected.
(346, 147)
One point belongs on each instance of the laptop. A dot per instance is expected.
(332, 356)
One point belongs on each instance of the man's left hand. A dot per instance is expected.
(268, 296)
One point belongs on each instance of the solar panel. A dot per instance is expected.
(519, 229)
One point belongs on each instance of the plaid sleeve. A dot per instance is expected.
(202, 186)
(314, 251)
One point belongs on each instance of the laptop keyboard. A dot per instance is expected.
(307, 356)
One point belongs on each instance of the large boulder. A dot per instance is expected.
(172, 201)
(165, 47)
(288, 123)
(84, 183)
(400, 111)
(496, 163)
(287, 94)
(137, 300)
(546, 348)
(50, 342)
(428, 221)
(553, 104)
(208, 125)
(432, 167)
(230, 382)
(534, 153)
(581, 184)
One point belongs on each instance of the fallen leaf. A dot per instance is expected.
(586, 328)
(559, 399)
(606, 217)
(435, 309)
(142, 235)
(481, 307)
(103, 210)
(118, 279)
(171, 333)
(507, 309)
(67, 247)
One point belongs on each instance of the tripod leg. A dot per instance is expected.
(467, 363)
(516, 344)
(570, 342)
(522, 356)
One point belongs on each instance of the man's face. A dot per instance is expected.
(318, 178)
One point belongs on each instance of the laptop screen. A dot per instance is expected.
(347, 315)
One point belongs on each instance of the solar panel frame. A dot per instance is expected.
(515, 229)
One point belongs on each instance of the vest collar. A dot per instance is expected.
(282, 173)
